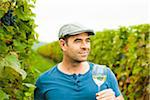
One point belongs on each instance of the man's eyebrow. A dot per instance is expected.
(88, 38)
(81, 39)
(77, 39)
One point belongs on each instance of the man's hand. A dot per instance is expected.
(107, 94)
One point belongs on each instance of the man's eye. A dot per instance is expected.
(88, 40)
(77, 40)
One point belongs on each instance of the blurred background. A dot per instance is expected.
(95, 14)
(29, 46)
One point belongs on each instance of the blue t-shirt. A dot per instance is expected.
(56, 85)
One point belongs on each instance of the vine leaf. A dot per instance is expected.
(11, 65)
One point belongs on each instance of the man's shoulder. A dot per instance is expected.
(48, 73)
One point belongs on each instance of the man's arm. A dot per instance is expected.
(37, 92)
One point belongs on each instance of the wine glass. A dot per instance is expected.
(99, 75)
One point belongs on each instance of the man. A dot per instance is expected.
(72, 79)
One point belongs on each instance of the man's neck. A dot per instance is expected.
(74, 68)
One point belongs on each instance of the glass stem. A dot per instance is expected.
(98, 88)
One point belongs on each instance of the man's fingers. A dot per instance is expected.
(110, 91)
(107, 94)
(106, 98)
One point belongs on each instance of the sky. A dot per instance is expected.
(94, 14)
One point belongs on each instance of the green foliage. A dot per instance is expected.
(39, 64)
(126, 51)
(17, 36)
(3, 95)
(52, 51)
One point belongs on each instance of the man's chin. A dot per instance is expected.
(82, 60)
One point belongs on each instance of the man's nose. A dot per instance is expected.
(85, 45)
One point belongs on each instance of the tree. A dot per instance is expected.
(17, 35)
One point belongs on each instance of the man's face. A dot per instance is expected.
(77, 47)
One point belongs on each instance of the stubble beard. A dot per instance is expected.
(78, 60)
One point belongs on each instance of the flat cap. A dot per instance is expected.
(73, 29)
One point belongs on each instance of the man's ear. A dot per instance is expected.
(62, 44)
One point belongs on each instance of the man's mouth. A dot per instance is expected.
(84, 53)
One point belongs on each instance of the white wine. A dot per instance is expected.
(99, 75)
(99, 79)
